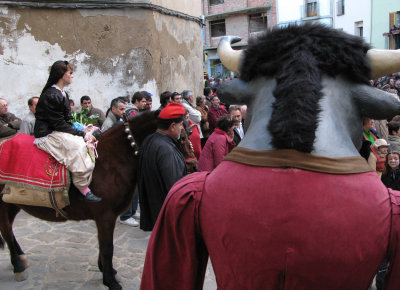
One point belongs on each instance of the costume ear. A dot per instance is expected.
(375, 103)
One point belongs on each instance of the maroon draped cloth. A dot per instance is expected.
(274, 228)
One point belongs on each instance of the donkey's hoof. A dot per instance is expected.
(113, 285)
(21, 276)
(24, 261)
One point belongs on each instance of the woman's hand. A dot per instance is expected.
(89, 137)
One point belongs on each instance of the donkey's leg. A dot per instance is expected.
(24, 260)
(105, 231)
(7, 215)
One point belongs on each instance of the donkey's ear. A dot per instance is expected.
(375, 103)
(235, 92)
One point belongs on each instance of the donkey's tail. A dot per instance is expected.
(1, 243)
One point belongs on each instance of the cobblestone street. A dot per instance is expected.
(64, 256)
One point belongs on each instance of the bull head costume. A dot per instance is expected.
(294, 206)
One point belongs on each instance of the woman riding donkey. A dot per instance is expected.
(57, 137)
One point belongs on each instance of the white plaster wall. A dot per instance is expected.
(288, 10)
(355, 11)
(325, 7)
(25, 67)
(291, 10)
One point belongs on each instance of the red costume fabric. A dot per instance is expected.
(276, 228)
(217, 147)
(24, 165)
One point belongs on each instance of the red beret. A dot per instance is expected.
(172, 111)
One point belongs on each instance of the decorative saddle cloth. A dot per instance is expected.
(27, 170)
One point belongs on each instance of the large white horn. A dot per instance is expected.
(230, 58)
(384, 62)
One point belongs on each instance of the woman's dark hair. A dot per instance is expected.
(225, 122)
(164, 97)
(57, 71)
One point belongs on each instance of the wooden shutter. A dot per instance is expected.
(392, 20)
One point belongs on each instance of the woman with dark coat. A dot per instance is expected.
(391, 179)
(55, 135)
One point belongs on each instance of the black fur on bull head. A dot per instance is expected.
(307, 87)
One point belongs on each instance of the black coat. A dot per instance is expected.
(236, 137)
(53, 113)
(161, 164)
(391, 179)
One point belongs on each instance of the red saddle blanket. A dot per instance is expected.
(23, 164)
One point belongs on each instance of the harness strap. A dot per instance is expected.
(55, 206)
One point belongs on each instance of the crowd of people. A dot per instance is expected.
(214, 129)
(390, 84)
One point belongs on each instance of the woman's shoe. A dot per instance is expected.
(90, 197)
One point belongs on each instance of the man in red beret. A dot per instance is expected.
(161, 164)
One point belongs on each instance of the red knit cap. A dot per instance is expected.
(172, 111)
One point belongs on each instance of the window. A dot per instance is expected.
(311, 8)
(215, 2)
(359, 28)
(257, 22)
(217, 28)
(340, 7)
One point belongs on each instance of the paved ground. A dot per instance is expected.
(64, 256)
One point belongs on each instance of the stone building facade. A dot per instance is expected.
(243, 18)
(116, 48)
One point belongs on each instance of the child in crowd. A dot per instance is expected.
(377, 157)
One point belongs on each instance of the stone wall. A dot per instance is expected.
(115, 51)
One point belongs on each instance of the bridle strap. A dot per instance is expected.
(131, 138)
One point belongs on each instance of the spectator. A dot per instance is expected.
(397, 87)
(161, 164)
(369, 132)
(377, 156)
(165, 99)
(394, 136)
(194, 115)
(194, 135)
(9, 123)
(395, 32)
(86, 102)
(208, 93)
(243, 109)
(176, 97)
(138, 104)
(116, 113)
(71, 105)
(218, 145)
(215, 112)
(149, 100)
(391, 179)
(238, 131)
(204, 126)
(28, 123)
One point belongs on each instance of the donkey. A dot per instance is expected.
(114, 180)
